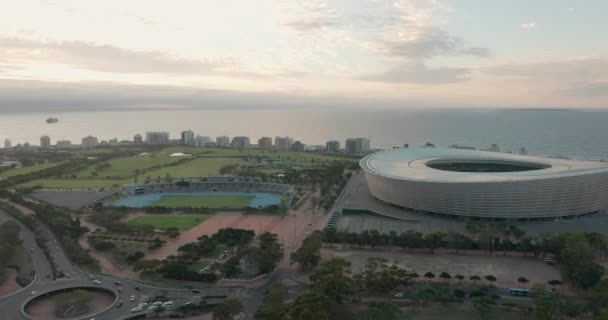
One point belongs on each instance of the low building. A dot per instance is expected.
(265, 143)
(222, 141)
(333, 146)
(298, 146)
(357, 146)
(202, 141)
(90, 142)
(137, 139)
(63, 144)
(7, 144)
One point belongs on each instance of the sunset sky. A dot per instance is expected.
(322, 53)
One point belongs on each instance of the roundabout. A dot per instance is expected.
(69, 303)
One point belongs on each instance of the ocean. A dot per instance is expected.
(575, 134)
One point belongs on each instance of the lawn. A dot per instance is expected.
(195, 168)
(125, 167)
(28, 169)
(77, 183)
(182, 222)
(204, 201)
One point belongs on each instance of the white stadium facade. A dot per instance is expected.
(485, 184)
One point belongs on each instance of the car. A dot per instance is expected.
(96, 281)
(132, 298)
(92, 277)
(121, 290)
(168, 304)
(137, 288)
(158, 303)
(119, 304)
(32, 250)
(189, 303)
(143, 305)
(34, 293)
(399, 295)
(196, 291)
(152, 308)
(118, 283)
(136, 309)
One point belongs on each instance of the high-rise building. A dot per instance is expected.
(298, 146)
(113, 142)
(89, 142)
(45, 142)
(222, 141)
(523, 152)
(7, 144)
(495, 148)
(357, 146)
(333, 146)
(157, 137)
(283, 143)
(187, 138)
(63, 144)
(202, 141)
(265, 143)
(137, 139)
(240, 142)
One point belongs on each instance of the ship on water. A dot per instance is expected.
(52, 120)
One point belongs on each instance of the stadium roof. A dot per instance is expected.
(413, 164)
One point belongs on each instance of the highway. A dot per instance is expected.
(12, 306)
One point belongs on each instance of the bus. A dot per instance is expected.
(519, 292)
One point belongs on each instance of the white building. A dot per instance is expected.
(45, 142)
(283, 143)
(90, 142)
(357, 146)
(7, 144)
(187, 138)
(202, 141)
(157, 137)
(222, 141)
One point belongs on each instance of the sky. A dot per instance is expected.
(145, 54)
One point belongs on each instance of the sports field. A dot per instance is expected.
(204, 201)
(182, 222)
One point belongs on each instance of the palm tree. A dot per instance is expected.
(490, 278)
(459, 277)
(429, 275)
(554, 283)
(522, 280)
(445, 275)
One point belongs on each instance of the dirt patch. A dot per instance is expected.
(10, 284)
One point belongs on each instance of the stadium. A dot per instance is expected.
(209, 192)
(485, 184)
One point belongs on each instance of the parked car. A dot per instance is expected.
(132, 298)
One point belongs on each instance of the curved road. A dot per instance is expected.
(11, 305)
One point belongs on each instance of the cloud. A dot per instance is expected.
(105, 58)
(528, 25)
(308, 25)
(419, 73)
(309, 16)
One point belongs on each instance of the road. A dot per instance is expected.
(11, 306)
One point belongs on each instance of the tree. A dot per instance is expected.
(474, 278)
(490, 278)
(445, 276)
(379, 310)
(429, 275)
(147, 265)
(273, 304)
(546, 306)
(577, 261)
(332, 280)
(308, 255)
(459, 277)
(310, 305)
(227, 310)
(598, 296)
(483, 305)
(522, 280)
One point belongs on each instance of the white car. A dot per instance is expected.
(143, 305)
(152, 308)
(158, 303)
(168, 304)
(136, 309)
(399, 295)
(34, 293)
(96, 281)
(132, 298)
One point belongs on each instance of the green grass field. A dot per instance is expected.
(76, 183)
(125, 167)
(204, 201)
(183, 222)
(195, 168)
(28, 169)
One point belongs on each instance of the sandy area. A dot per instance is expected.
(10, 285)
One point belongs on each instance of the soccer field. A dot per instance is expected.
(183, 222)
(204, 201)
